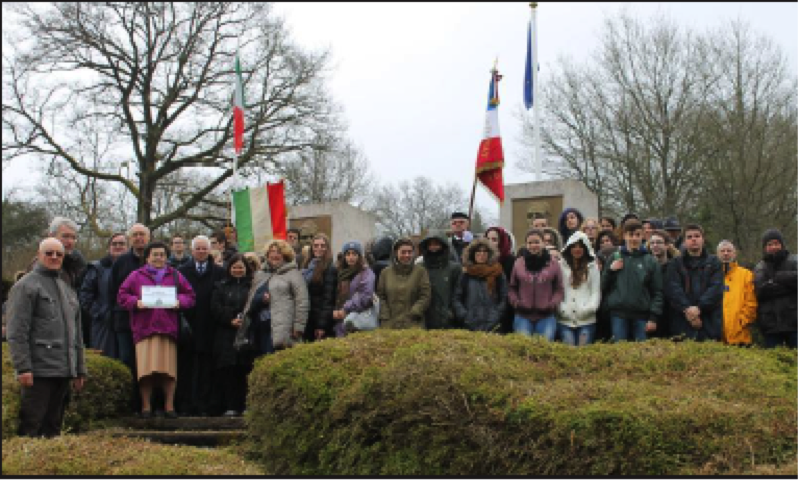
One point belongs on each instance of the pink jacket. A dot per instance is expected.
(146, 322)
(535, 296)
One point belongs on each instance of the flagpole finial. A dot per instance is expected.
(533, 5)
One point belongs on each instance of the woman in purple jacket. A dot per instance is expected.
(535, 289)
(355, 285)
(155, 330)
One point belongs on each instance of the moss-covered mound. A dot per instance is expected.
(92, 455)
(454, 402)
(106, 395)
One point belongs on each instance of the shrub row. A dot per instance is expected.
(93, 455)
(106, 395)
(461, 403)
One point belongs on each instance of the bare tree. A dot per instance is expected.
(749, 183)
(414, 207)
(95, 85)
(628, 126)
(328, 173)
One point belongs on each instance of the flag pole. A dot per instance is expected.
(535, 94)
(473, 192)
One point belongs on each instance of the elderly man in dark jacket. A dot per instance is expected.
(775, 281)
(95, 300)
(444, 277)
(195, 366)
(45, 342)
(694, 289)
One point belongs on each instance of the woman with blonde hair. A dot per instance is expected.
(277, 304)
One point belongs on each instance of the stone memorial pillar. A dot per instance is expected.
(548, 197)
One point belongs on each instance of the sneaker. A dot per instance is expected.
(145, 414)
(350, 327)
(230, 413)
(170, 414)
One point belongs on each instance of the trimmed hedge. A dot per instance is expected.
(414, 402)
(106, 395)
(95, 455)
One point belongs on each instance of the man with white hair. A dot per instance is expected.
(195, 367)
(739, 297)
(73, 265)
(45, 342)
(138, 238)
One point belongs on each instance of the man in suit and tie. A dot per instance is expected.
(195, 365)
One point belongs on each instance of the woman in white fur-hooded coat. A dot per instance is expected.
(576, 315)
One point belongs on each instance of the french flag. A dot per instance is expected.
(490, 158)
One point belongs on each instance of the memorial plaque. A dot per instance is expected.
(524, 210)
(310, 226)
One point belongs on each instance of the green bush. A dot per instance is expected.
(93, 455)
(105, 396)
(460, 403)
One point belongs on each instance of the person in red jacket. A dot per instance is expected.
(535, 289)
(155, 329)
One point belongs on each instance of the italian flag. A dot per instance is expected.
(238, 110)
(259, 215)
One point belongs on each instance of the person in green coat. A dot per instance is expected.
(403, 289)
(444, 276)
(632, 284)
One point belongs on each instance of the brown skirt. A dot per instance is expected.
(156, 354)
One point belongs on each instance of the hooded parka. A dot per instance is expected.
(579, 306)
(404, 292)
(444, 277)
(775, 279)
(739, 304)
(473, 303)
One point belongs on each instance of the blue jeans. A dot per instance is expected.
(781, 339)
(545, 327)
(621, 329)
(579, 336)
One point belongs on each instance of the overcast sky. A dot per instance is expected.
(412, 78)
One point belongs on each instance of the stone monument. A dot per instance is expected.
(339, 220)
(546, 197)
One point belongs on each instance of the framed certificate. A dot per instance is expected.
(159, 296)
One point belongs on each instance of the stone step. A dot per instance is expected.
(197, 438)
(185, 423)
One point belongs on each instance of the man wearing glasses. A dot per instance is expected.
(45, 342)
(95, 298)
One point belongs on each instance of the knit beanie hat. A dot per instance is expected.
(352, 245)
(772, 234)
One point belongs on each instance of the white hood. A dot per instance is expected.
(576, 237)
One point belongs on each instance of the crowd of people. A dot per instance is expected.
(587, 280)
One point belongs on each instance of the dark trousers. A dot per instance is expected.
(127, 354)
(231, 388)
(42, 410)
(202, 395)
(184, 391)
(790, 340)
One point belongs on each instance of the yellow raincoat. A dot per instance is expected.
(739, 305)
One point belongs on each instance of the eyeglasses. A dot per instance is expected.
(54, 253)
(121, 244)
(656, 242)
